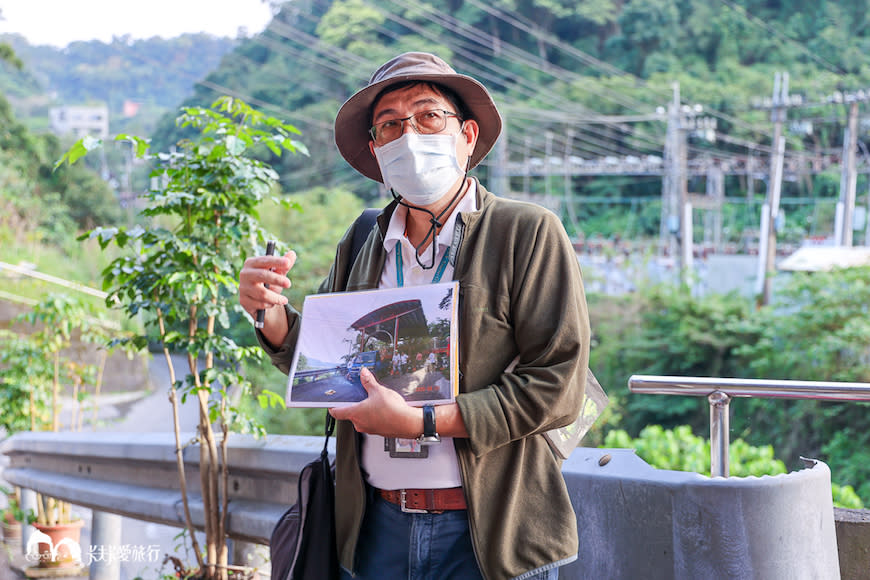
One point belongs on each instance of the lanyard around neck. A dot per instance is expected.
(400, 271)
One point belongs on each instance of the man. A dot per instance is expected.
(430, 362)
(488, 500)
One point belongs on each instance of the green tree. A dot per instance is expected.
(7, 53)
(816, 329)
(180, 275)
(47, 363)
(313, 232)
(665, 330)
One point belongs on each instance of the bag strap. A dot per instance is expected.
(330, 427)
(361, 229)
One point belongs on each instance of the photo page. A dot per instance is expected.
(407, 337)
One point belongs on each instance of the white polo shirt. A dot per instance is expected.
(441, 468)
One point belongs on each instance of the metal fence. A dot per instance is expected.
(720, 391)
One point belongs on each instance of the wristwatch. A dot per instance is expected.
(429, 434)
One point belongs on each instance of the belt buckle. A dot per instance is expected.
(408, 510)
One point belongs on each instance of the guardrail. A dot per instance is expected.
(635, 521)
(135, 475)
(720, 391)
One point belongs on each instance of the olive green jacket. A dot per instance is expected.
(520, 295)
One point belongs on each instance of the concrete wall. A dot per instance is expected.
(639, 522)
(853, 542)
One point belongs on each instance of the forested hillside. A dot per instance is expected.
(154, 75)
(575, 80)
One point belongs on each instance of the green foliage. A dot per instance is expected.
(13, 512)
(55, 322)
(40, 205)
(278, 419)
(313, 230)
(814, 330)
(155, 73)
(679, 450)
(25, 383)
(848, 454)
(817, 329)
(664, 330)
(178, 274)
(845, 497)
(181, 277)
(7, 54)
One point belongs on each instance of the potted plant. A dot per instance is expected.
(12, 516)
(45, 364)
(25, 382)
(178, 275)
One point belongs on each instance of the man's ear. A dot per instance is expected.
(471, 130)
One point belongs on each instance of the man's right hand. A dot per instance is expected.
(253, 294)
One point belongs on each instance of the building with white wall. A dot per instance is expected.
(80, 120)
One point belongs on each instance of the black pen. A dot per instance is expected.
(270, 250)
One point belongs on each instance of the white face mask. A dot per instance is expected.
(420, 168)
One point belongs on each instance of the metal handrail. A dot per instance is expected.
(719, 392)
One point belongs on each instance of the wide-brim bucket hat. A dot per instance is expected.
(353, 121)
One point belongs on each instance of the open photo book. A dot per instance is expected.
(407, 337)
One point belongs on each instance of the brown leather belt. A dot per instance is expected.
(420, 501)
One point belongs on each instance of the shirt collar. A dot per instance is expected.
(396, 228)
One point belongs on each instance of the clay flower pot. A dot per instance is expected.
(56, 546)
(11, 529)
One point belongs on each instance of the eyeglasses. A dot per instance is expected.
(424, 122)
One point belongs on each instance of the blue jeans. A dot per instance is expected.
(396, 546)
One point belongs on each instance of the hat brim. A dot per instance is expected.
(352, 121)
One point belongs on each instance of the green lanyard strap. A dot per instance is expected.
(400, 271)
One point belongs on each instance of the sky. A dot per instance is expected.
(59, 22)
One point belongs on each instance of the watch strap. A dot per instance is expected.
(430, 435)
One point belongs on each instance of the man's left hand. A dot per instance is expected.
(384, 412)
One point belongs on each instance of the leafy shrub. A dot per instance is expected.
(679, 450)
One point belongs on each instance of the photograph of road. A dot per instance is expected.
(405, 336)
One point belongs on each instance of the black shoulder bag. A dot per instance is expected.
(302, 545)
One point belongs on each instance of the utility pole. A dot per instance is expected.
(770, 209)
(527, 145)
(569, 189)
(716, 192)
(501, 181)
(548, 151)
(670, 220)
(684, 205)
(848, 180)
(867, 219)
(676, 223)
